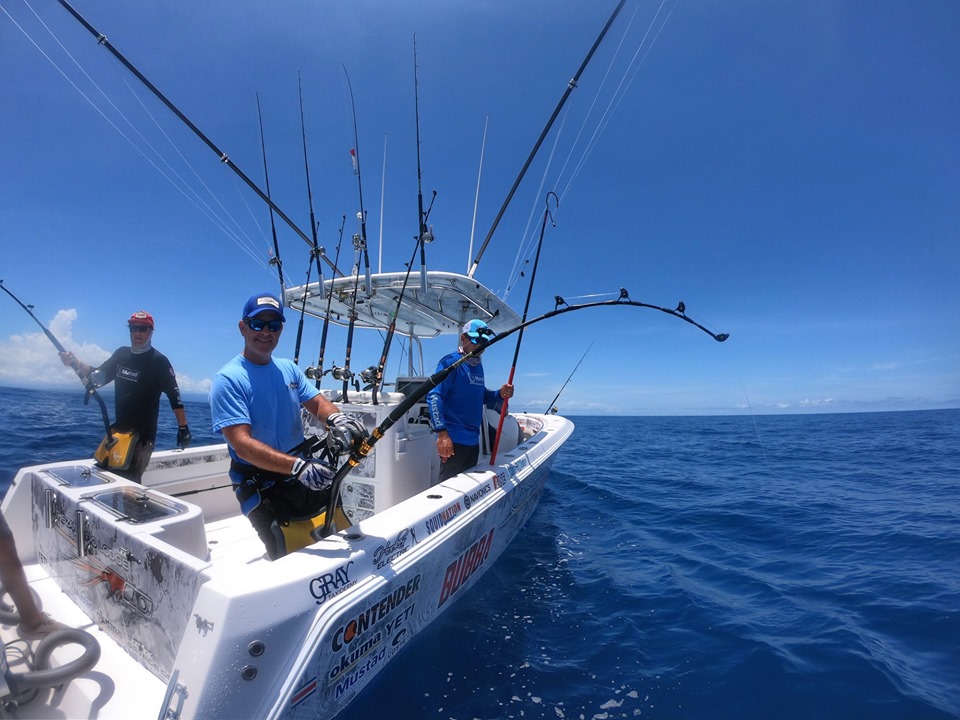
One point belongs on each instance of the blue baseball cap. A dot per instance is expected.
(263, 302)
(477, 330)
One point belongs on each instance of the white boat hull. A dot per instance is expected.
(188, 610)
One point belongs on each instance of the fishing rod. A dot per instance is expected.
(424, 235)
(316, 250)
(364, 448)
(316, 373)
(87, 384)
(344, 372)
(551, 407)
(381, 366)
(273, 226)
(359, 245)
(526, 307)
(523, 171)
(355, 154)
(224, 158)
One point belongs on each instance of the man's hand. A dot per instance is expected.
(444, 446)
(184, 438)
(346, 430)
(314, 474)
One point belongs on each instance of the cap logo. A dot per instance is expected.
(268, 301)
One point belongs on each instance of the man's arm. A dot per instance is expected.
(320, 407)
(258, 453)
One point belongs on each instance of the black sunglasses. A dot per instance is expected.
(139, 328)
(258, 325)
(481, 336)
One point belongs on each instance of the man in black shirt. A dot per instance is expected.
(141, 373)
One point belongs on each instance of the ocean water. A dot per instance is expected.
(689, 567)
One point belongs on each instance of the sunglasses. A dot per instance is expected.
(258, 325)
(139, 328)
(481, 337)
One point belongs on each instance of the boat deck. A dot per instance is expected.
(94, 690)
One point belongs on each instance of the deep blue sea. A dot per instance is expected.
(686, 567)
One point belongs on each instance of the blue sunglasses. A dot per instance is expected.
(258, 325)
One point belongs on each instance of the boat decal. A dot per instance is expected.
(303, 693)
(460, 570)
(330, 584)
(470, 498)
(358, 673)
(204, 626)
(500, 479)
(392, 549)
(373, 615)
(119, 589)
(353, 655)
(443, 517)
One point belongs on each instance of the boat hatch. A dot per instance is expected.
(78, 476)
(135, 506)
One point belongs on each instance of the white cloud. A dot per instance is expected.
(31, 359)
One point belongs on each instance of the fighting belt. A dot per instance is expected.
(119, 454)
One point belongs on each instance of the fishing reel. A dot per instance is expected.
(341, 373)
(369, 377)
(344, 375)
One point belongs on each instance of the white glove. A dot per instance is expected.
(314, 474)
(346, 430)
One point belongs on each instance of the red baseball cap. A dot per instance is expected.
(141, 317)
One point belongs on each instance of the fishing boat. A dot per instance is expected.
(169, 584)
(175, 609)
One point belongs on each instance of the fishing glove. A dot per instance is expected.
(313, 474)
(345, 430)
(184, 438)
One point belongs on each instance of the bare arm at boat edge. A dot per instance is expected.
(262, 455)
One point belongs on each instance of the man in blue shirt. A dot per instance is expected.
(255, 404)
(456, 404)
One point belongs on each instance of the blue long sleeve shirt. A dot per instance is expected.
(456, 404)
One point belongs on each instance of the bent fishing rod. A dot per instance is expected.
(536, 148)
(87, 384)
(526, 307)
(365, 447)
(224, 158)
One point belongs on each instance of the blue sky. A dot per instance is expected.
(789, 170)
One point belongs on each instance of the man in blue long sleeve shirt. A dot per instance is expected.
(456, 404)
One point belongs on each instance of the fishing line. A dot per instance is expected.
(364, 448)
(766, 461)
(551, 407)
(523, 319)
(527, 245)
(571, 84)
(183, 187)
(619, 94)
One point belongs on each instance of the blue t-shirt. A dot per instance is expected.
(456, 404)
(265, 397)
